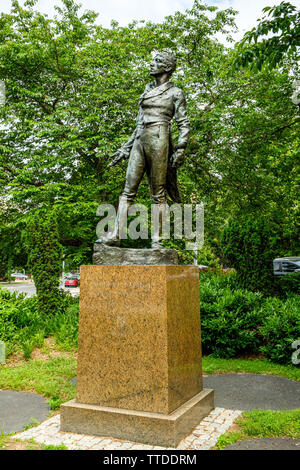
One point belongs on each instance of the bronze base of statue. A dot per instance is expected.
(105, 254)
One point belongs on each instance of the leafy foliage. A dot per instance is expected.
(48, 378)
(45, 260)
(250, 245)
(236, 322)
(24, 326)
(229, 319)
(287, 285)
(283, 21)
(280, 328)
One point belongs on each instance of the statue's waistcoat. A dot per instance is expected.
(157, 105)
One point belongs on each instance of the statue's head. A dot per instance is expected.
(163, 62)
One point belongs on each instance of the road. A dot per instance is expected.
(29, 288)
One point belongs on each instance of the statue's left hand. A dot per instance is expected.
(177, 158)
(117, 157)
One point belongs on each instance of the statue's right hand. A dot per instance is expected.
(117, 157)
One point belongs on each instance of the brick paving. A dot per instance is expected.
(204, 436)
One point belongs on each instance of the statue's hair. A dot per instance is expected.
(169, 60)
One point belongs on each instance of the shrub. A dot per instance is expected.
(280, 328)
(24, 326)
(286, 285)
(229, 320)
(249, 245)
(45, 260)
(207, 257)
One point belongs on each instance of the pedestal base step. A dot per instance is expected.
(137, 426)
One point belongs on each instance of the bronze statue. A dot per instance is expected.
(150, 147)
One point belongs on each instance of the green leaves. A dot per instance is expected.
(275, 50)
(45, 259)
(237, 321)
(72, 99)
(250, 245)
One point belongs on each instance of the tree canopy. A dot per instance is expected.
(275, 39)
(72, 89)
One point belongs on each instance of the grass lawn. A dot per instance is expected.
(48, 373)
(213, 365)
(257, 423)
(262, 423)
(50, 378)
(50, 370)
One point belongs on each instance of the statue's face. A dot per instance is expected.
(157, 66)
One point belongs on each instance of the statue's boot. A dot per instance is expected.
(109, 241)
(114, 238)
(157, 230)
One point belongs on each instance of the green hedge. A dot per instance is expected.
(234, 321)
(286, 285)
(237, 321)
(280, 328)
(23, 325)
(229, 318)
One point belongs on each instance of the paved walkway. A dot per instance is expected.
(254, 391)
(204, 436)
(233, 392)
(18, 409)
(29, 289)
(267, 443)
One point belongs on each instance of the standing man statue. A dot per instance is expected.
(150, 147)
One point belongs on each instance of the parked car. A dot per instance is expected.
(202, 267)
(288, 265)
(71, 281)
(19, 276)
(77, 276)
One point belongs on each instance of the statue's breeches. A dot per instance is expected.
(149, 154)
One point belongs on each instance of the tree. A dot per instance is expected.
(250, 245)
(12, 253)
(72, 93)
(258, 51)
(45, 260)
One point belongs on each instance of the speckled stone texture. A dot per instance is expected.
(148, 428)
(139, 345)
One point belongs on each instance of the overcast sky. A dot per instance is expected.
(155, 10)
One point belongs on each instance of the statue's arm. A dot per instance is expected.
(125, 150)
(183, 123)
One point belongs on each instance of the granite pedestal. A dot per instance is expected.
(139, 371)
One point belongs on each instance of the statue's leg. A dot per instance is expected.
(134, 174)
(156, 151)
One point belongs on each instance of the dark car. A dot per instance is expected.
(288, 265)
